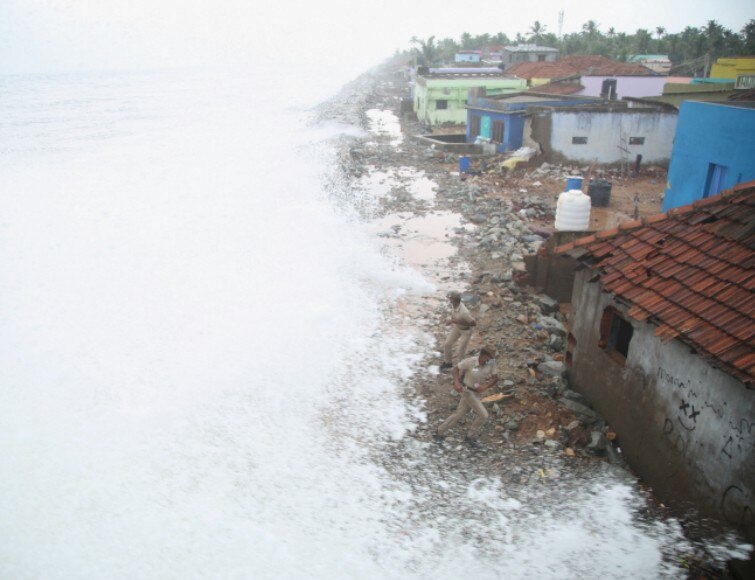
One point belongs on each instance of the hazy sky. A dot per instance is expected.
(41, 35)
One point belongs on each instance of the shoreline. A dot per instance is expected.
(539, 427)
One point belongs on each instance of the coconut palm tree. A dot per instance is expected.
(537, 31)
(590, 28)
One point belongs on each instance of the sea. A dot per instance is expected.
(200, 371)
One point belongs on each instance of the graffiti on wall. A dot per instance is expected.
(689, 411)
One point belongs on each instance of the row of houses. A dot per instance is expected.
(440, 95)
(578, 120)
(736, 69)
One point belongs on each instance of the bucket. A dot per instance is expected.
(573, 182)
(573, 211)
(599, 191)
(463, 164)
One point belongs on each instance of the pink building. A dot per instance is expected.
(618, 87)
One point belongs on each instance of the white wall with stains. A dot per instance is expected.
(608, 135)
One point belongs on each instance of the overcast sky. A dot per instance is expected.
(48, 35)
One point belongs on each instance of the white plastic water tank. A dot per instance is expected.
(573, 211)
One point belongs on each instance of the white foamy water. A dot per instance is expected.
(200, 377)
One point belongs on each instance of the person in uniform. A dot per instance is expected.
(461, 322)
(472, 376)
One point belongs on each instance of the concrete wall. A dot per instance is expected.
(608, 134)
(625, 86)
(687, 428)
(709, 134)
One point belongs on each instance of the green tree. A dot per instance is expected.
(642, 40)
(590, 29)
(748, 38)
(426, 52)
(537, 31)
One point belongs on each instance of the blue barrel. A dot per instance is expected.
(463, 164)
(573, 182)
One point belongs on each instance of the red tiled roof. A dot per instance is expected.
(691, 272)
(577, 65)
(541, 70)
(601, 66)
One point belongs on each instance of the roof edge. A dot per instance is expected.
(672, 213)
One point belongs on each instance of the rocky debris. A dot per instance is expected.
(506, 216)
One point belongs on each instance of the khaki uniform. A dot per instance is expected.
(460, 333)
(471, 375)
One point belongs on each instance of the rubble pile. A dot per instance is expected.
(511, 217)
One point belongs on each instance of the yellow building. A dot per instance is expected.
(731, 68)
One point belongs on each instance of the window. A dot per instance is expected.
(615, 335)
(497, 135)
(579, 140)
(714, 182)
(441, 104)
(637, 140)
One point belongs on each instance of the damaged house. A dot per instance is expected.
(662, 343)
(500, 119)
(573, 129)
(604, 134)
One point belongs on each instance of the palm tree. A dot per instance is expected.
(590, 28)
(427, 53)
(660, 31)
(537, 31)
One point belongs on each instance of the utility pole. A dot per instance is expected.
(560, 22)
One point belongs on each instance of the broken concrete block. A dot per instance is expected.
(552, 367)
(580, 410)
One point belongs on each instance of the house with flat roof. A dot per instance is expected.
(661, 343)
(440, 97)
(468, 56)
(602, 133)
(713, 150)
(659, 63)
(501, 119)
(511, 55)
(732, 67)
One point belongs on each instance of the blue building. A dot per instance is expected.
(468, 56)
(500, 119)
(714, 149)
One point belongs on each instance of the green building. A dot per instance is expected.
(440, 97)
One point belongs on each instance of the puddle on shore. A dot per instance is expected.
(420, 240)
(381, 183)
(384, 122)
